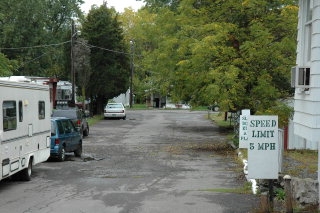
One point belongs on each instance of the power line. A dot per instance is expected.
(27, 62)
(57, 44)
(102, 48)
(33, 47)
(62, 43)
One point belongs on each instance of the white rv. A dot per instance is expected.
(24, 127)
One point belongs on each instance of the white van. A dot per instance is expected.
(24, 127)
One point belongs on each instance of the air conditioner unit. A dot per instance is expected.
(300, 77)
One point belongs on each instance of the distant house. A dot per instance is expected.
(155, 100)
(123, 98)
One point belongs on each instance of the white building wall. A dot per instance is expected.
(123, 98)
(307, 103)
(297, 142)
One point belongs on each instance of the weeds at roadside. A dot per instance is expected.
(245, 189)
(95, 119)
(301, 163)
(280, 194)
(222, 147)
(218, 148)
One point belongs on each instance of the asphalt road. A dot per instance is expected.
(147, 163)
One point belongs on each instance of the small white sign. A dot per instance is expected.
(263, 149)
(243, 128)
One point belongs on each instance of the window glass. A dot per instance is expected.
(307, 31)
(41, 110)
(53, 128)
(68, 126)
(308, 6)
(60, 127)
(20, 111)
(304, 76)
(307, 76)
(308, 37)
(9, 111)
(71, 126)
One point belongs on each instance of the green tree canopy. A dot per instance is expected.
(235, 53)
(34, 32)
(109, 57)
(5, 66)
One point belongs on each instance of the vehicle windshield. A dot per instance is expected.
(65, 113)
(114, 106)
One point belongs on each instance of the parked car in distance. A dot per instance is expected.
(64, 138)
(115, 110)
(77, 116)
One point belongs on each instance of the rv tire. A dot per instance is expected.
(26, 173)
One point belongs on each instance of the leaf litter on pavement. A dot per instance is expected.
(221, 148)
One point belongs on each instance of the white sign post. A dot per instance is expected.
(263, 147)
(243, 128)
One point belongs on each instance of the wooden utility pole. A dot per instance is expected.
(132, 70)
(72, 74)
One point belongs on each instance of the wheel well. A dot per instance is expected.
(31, 159)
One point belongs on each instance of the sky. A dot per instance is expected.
(119, 5)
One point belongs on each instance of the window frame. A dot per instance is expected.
(20, 111)
(303, 75)
(9, 117)
(41, 110)
(307, 30)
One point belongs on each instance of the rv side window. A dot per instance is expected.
(20, 112)
(9, 115)
(41, 110)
